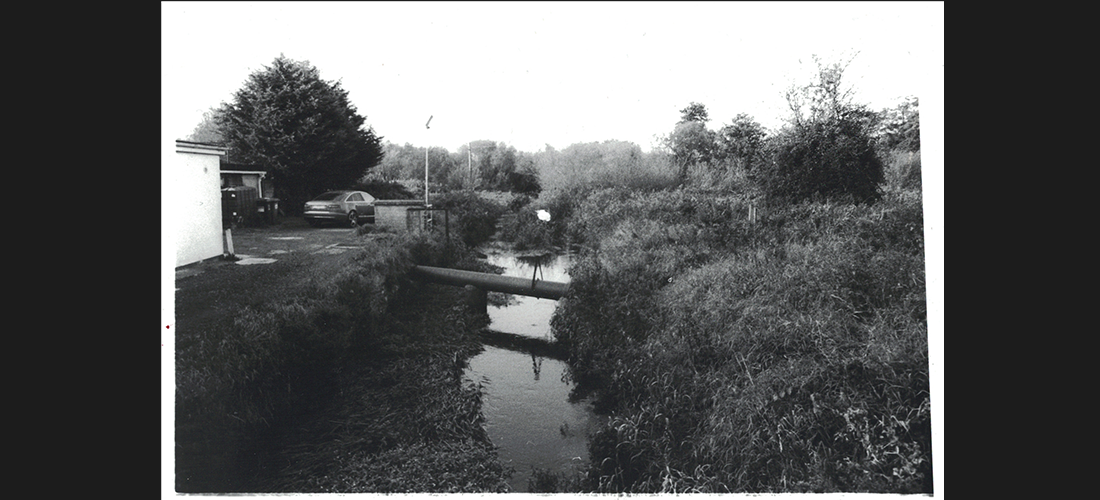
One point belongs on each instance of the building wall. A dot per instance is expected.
(198, 204)
(253, 180)
(233, 179)
(392, 214)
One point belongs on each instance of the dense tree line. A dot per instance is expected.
(308, 135)
(482, 164)
(831, 147)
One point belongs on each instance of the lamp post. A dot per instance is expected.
(427, 126)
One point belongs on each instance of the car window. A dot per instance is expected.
(329, 196)
(355, 197)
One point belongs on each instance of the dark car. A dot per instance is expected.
(340, 207)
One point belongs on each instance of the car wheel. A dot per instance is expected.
(353, 218)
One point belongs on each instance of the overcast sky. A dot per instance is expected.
(531, 74)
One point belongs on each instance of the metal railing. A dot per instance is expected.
(424, 219)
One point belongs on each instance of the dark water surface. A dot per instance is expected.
(526, 404)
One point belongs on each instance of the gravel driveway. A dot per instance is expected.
(272, 259)
(267, 245)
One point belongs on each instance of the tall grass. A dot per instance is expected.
(731, 176)
(789, 354)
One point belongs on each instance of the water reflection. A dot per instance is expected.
(526, 406)
(523, 315)
(549, 266)
(536, 261)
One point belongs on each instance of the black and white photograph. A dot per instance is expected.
(568, 248)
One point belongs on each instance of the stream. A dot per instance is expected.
(526, 402)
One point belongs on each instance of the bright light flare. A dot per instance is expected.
(543, 215)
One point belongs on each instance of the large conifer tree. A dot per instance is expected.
(301, 128)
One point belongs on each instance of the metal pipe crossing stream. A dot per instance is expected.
(492, 282)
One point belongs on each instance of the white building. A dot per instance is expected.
(195, 201)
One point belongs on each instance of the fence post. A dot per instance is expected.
(477, 299)
(229, 241)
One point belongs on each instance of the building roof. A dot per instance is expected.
(261, 173)
(399, 203)
(240, 167)
(200, 148)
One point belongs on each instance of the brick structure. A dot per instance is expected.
(392, 214)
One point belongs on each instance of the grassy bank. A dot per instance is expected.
(784, 354)
(335, 378)
(405, 420)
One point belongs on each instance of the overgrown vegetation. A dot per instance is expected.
(472, 217)
(522, 227)
(789, 354)
(275, 360)
(759, 325)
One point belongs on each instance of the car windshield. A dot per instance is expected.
(329, 196)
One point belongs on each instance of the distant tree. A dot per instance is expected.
(525, 179)
(899, 127)
(742, 140)
(441, 165)
(207, 131)
(691, 142)
(694, 112)
(400, 162)
(586, 165)
(481, 152)
(502, 163)
(302, 128)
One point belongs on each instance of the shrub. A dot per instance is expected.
(472, 218)
(525, 231)
(522, 227)
(524, 183)
(384, 190)
(826, 159)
